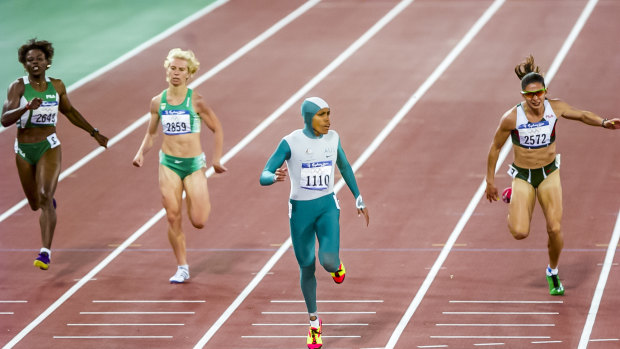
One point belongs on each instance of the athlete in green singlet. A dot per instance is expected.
(182, 161)
(33, 104)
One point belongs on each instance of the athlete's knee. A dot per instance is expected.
(45, 199)
(307, 267)
(554, 231)
(519, 233)
(173, 216)
(199, 215)
(330, 262)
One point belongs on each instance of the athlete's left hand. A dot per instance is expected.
(612, 124)
(364, 211)
(219, 168)
(101, 139)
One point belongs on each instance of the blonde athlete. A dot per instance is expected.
(33, 103)
(180, 111)
(535, 171)
(311, 155)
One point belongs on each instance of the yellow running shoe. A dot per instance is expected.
(43, 261)
(339, 275)
(314, 337)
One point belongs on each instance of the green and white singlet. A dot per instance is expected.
(179, 119)
(47, 113)
(311, 165)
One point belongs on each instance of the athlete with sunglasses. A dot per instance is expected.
(535, 170)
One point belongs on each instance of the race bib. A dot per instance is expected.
(535, 135)
(46, 114)
(53, 140)
(315, 175)
(176, 122)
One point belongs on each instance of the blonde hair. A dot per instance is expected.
(192, 63)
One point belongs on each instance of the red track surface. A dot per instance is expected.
(417, 185)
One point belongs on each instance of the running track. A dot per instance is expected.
(427, 273)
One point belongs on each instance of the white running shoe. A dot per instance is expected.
(180, 276)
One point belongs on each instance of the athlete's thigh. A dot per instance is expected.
(302, 233)
(171, 188)
(48, 170)
(328, 230)
(27, 178)
(521, 206)
(550, 197)
(197, 192)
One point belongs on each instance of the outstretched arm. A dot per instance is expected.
(587, 117)
(349, 178)
(272, 172)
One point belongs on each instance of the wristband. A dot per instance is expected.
(603, 122)
(359, 203)
(28, 106)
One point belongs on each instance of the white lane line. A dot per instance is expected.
(159, 215)
(149, 301)
(456, 51)
(555, 65)
(282, 337)
(137, 313)
(433, 346)
(545, 342)
(7, 313)
(199, 80)
(498, 313)
(306, 324)
(330, 301)
(510, 302)
(491, 337)
(112, 337)
(488, 344)
(605, 340)
(149, 324)
(135, 51)
(13, 301)
(318, 78)
(323, 312)
(498, 325)
(600, 286)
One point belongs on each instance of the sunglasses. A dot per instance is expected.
(531, 94)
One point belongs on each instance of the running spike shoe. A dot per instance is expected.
(339, 275)
(555, 285)
(506, 195)
(43, 261)
(314, 340)
(180, 276)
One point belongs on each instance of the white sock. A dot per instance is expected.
(184, 266)
(551, 271)
(314, 323)
(46, 250)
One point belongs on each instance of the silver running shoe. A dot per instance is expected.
(180, 276)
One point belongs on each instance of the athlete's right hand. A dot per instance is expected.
(35, 103)
(138, 160)
(491, 192)
(281, 174)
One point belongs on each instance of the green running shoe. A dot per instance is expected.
(555, 285)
